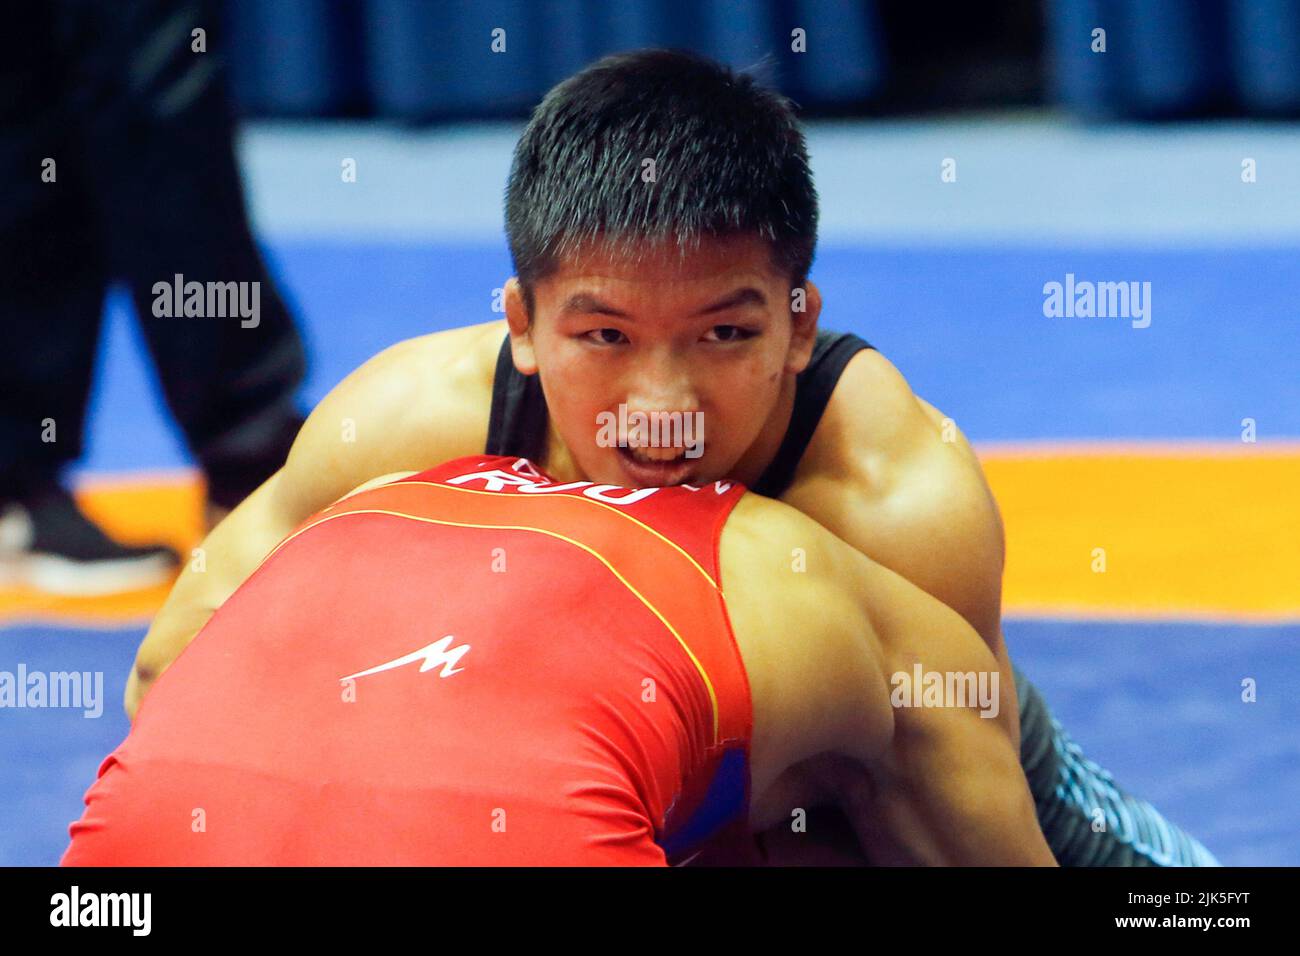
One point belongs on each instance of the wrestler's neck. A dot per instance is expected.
(560, 464)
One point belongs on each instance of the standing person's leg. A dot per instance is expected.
(52, 284)
(51, 291)
(172, 204)
(52, 279)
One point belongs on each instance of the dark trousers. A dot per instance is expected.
(146, 187)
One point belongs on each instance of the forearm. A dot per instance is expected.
(964, 802)
(218, 566)
(949, 786)
(187, 609)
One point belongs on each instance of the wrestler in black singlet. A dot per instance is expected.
(1068, 788)
(518, 422)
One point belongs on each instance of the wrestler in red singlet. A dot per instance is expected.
(470, 666)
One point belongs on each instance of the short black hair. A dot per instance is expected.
(730, 160)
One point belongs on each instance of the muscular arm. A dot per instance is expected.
(226, 557)
(932, 784)
(895, 478)
(947, 788)
(892, 476)
(412, 406)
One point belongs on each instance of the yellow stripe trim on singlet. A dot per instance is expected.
(708, 684)
(580, 497)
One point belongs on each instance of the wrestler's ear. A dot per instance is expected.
(805, 308)
(521, 333)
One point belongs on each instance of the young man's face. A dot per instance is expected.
(701, 346)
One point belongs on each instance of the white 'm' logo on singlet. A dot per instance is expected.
(439, 652)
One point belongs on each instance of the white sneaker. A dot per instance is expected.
(46, 543)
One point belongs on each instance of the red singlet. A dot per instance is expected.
(471, 666)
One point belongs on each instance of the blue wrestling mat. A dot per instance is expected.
(1158, 705)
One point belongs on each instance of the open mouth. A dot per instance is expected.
(656, 466)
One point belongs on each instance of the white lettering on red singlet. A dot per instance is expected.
(493, 480)
(531, 482)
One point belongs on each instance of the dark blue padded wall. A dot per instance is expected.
(1174, 58)
(1264, 43)
(295, 57)
(421, 60)
(433, 59)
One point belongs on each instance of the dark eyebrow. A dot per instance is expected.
(746, 296)
(584, 303)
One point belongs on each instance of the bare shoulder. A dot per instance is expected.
(783, 571)
(874, 421)
(893, 476)
(459, 358)
(419, 402)
(894, 443)
(878, 428)
(793, 594)
(765, 535)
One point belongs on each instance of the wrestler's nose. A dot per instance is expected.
(662, 382)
